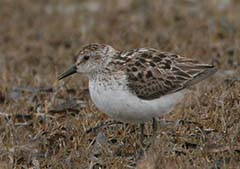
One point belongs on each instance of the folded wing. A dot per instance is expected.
(152, 74)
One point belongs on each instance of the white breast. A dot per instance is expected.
(116, 101)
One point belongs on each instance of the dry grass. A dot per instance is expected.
(38, 40)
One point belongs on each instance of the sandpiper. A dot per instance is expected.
(137, 85)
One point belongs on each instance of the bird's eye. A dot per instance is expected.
(86, 58)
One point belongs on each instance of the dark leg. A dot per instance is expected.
(142, 133)
(140, 150)
(154, 126)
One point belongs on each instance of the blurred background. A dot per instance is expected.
(43, 122)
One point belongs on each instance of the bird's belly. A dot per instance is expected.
(123, 106)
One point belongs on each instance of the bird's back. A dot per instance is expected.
(152, 73)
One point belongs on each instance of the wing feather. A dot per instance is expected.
(152, 74)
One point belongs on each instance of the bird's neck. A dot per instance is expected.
(98, 74)
(106, 68)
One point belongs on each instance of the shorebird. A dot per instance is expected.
(137, 85)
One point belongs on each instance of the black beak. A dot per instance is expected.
(70, 71)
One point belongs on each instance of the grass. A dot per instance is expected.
(43, 122)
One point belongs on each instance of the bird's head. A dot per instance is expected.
(90, 59)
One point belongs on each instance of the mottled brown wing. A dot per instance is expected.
(152, 74)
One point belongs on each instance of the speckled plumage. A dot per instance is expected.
(139, 84)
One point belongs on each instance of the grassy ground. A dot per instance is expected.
(43, 122)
